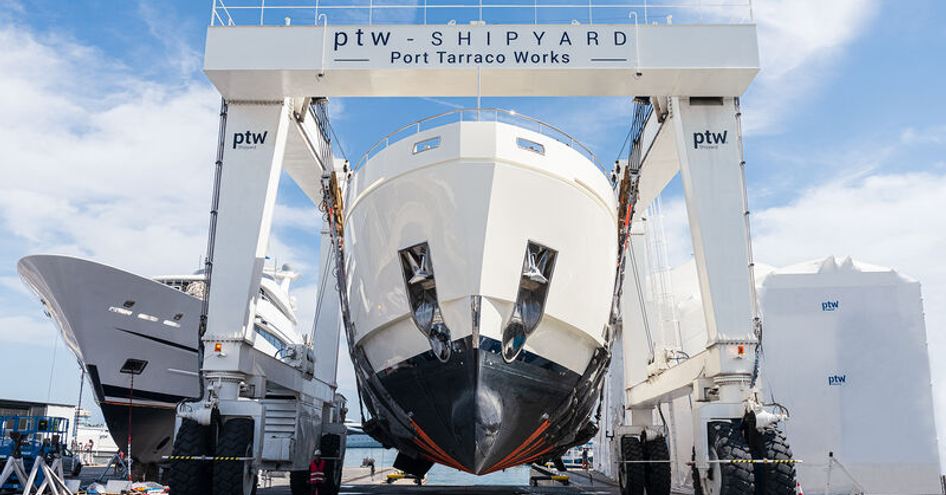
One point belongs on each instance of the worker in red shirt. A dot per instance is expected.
(317, 473)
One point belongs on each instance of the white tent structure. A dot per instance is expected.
(846, 352)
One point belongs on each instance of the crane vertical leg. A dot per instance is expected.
(252, 143)
(721, 379)
(709, 145)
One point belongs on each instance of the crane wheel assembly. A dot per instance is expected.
(778, 477)
(631, 474)
(645, 466)
(657, 470)
(731, 471)
(231, 475)
(188, 477)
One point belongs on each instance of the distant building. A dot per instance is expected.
(26, 408)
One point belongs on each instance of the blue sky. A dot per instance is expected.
(109, 126)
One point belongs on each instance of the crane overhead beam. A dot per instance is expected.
(269, 62)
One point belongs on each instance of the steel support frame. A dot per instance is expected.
(257, 137)
(707, 148)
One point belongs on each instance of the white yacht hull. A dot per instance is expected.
(475, 205)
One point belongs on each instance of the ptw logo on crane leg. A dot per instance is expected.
(709, 140)
(249, 139)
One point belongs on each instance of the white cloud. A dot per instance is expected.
(799, 41)
(27, 330)
(165, 28)
(932, 135)
(118, 171)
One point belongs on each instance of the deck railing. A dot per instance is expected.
(479, 115)
(370, 12)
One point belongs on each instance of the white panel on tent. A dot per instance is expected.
(845, 351)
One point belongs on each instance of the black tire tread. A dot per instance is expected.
(729, 444)
(632, 474)
(299, 482)
(774, 479)
(190, 477)
(235, 438)
(331, 446)
(657, 475)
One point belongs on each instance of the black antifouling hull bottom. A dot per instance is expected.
(480, 414)
(151, 430)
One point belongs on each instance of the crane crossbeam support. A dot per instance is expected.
(258, 62)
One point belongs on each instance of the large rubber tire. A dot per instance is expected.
(235, 440)
(657, 475)
(773, 479)
(631, 475)
(190, 477)
(727, 442)
(299, 483)
(331, 447)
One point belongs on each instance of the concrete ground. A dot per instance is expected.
(358, 481)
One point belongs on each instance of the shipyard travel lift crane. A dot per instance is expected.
(259, 412)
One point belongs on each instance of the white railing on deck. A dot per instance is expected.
(347, 12)
(479, 115)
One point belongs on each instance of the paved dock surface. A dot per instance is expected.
(358, 481)
(457, 490)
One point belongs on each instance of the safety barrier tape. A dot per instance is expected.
(727, 461)
(219, 458)
(205, 458)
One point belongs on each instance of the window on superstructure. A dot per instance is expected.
(270, 337)
(529, 145)
(426, 145)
